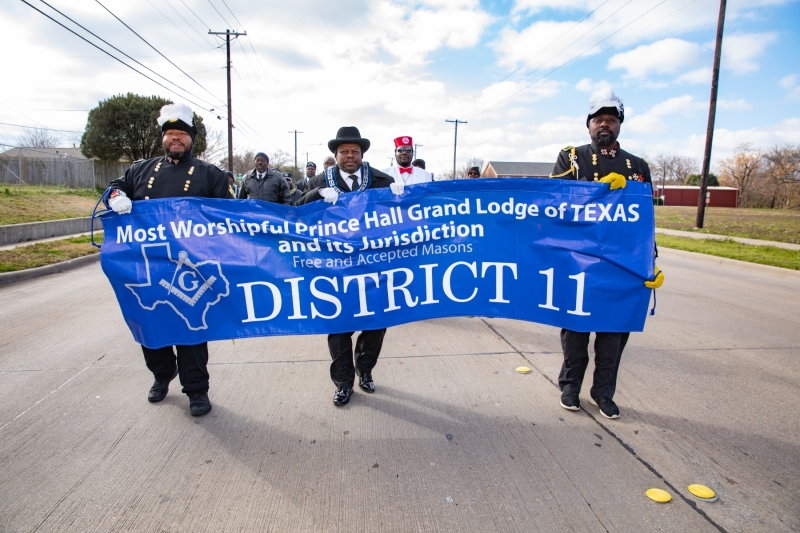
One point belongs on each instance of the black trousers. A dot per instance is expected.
(192, 362)
(608, 349)
(368, 348)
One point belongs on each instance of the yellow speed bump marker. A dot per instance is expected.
(703, 492)
(658, 495)
(523, 370)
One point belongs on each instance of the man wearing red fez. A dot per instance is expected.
(405, 173)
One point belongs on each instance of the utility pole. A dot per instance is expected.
(415, 151)
(455, 142)
(228, 34)
(294, 174)
(712, 112)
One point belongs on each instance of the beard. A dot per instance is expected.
(604, 138)
(177, 155)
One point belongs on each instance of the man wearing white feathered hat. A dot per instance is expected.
(176, 173)
(603, 160)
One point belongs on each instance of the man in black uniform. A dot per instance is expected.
(295, 192)
(350, 175)
(175, 174)
(311, 171)
(604, 161)
(264, 183)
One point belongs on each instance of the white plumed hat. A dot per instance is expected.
(604, 98)
(177, 117)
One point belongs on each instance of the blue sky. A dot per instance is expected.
(520, 72)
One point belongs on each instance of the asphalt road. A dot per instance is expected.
(453, 440)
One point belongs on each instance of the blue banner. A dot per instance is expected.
(566, 253)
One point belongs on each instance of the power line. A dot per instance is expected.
(109, 54)
(220, 14)
(481, 112)
(123, 53)
(231, 12)
(195, 14)
(176, 25)
(562, 50)
(39, 127)
(154, 48)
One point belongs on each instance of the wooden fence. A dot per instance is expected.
(61, 171)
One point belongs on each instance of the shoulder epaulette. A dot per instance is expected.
(568, 148)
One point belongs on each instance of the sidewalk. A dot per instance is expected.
(710, 236)
(59, 238)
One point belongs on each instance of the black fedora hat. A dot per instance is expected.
(348, 134)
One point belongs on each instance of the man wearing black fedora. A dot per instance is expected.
(350, 175)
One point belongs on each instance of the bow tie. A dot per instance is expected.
(406, 170)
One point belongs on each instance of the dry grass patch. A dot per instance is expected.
(780, 225)
(21, 204)
(47, 253)
(765, 255)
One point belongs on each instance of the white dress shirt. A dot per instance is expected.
(417, 175)
(349, 178)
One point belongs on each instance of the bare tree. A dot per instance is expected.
(682, 167)
(281, 160)
(461, 171)
(216, 146)
(742, 171)
(38, 138)
(671, 169)
(782, 172)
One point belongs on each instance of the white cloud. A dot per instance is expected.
(586, 85)
(739, 104)
(667, 56)
(740, 50)
(788, 82)
(534, 6)
(700, 75)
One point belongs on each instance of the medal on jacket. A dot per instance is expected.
(366, 178)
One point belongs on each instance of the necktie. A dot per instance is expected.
(355, 181)
(406, 170)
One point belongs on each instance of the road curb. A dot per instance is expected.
(732, 263)
(7, 278)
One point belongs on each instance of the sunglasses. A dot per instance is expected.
(405, 150)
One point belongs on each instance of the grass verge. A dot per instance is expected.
(47, 253)
(782, 225)
(765, 255)
(31, 203)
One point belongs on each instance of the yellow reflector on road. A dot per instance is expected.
(701, 491)
(523, 370)
(658, 495)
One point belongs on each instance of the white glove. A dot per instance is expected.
(120, 204)
(397, 188)
(329, 195)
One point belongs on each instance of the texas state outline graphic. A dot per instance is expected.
(190, 289)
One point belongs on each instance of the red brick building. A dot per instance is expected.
(687, 195)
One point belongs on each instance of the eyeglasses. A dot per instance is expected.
(472, 174)
(405, 150)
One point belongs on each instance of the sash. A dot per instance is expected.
(366, 178)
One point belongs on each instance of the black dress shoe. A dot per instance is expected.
(342, 395)
(366, 383)
(159, 389)
(199, 404)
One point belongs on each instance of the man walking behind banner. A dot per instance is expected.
(404, 172)
(264, 183)
(175, 174)
(604, 161)
(350, 175)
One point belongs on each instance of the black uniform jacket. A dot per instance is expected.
(271, 188)
(379, 180)
(594, 163)
(159, 177)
